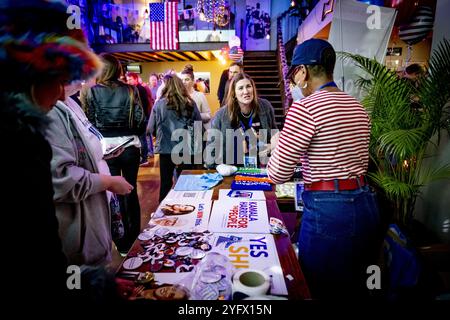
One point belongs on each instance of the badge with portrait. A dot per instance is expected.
(250, 162)
(299, 187)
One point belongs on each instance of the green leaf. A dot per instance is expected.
(402, 143)
(403, 121)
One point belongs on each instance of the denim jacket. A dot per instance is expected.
(164, 121)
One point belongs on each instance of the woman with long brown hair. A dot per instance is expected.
(240, 123)
(187, 76)
(115, 109)
(175, 110)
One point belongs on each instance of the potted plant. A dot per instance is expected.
(404, 119)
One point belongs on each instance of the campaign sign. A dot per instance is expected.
(252, 251)
(241, 216)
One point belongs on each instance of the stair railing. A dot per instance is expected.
(283, 68)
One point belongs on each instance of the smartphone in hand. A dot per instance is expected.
(110, 151)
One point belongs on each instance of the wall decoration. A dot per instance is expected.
(394, 51)
(257, 22)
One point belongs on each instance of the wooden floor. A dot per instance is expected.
(148, 193)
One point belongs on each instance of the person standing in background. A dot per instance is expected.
(175, 110)
(187, 76)
(109, 106)
(161, 87)
(233, 70)
(153, 84)
(147, 104)
(221, 88)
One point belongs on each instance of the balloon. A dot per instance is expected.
(234, 41)
(236, 54)
(418, 27)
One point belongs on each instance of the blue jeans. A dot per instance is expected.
(338, 240)
(144, 148)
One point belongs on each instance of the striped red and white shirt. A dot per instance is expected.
(328, 132)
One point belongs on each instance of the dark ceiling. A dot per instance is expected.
(164, 56)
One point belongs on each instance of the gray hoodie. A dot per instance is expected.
(81, 203)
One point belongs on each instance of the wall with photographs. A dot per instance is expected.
(420, 53)
(257, 24)
(201, 68)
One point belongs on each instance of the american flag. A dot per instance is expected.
(164, 26)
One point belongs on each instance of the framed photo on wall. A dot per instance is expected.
(257, 24)
(202, 82)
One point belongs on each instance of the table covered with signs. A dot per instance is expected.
(188, 225)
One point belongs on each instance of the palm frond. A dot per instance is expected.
(402, 143)
(394, 188)
(404, 120)
(435, 88)
(363, 83)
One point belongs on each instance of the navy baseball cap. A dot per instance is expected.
(308, 52)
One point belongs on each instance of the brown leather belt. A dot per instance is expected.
(342, 184)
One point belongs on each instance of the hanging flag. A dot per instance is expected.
(164, 26)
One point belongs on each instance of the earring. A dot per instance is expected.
(305, 85)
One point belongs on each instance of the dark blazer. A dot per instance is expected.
(222, 123)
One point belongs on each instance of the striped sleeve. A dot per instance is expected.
(295, 138)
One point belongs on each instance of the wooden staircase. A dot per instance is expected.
(262, 66)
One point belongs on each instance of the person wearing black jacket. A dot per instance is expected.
(108, 108)
(147, 104)
(225, 79)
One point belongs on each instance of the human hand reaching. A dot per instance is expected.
(117, 184)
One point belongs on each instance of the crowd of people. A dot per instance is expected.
(72, 187)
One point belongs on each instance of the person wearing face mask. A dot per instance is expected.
(242, 127)
(82, 182)
(328, 132)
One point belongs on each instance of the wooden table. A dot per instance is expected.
(293, 275)
(297, 287)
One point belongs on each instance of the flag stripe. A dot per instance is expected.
(164, 26)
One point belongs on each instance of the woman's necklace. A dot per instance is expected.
(248, 115)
